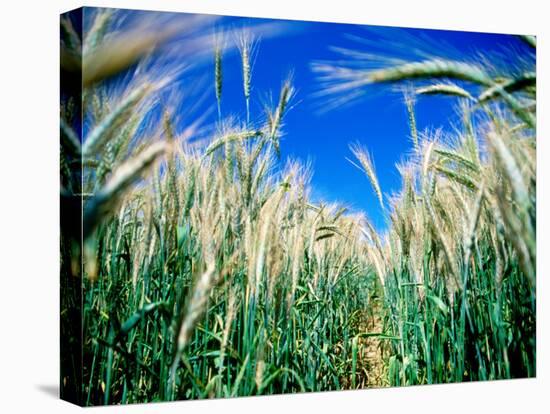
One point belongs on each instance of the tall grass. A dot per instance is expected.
(249, 287)
(209, 272)
(458, 261)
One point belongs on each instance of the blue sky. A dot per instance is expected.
(378, 120)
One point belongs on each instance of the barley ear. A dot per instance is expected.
(409, 102)
(218, 70)
(367, 166)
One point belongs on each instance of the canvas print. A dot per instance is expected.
(257, 206)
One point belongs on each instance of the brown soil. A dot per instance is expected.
(371, 369)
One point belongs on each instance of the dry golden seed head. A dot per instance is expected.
(473, 223)
(449, 257)
(510, 166)
(245, 46)
(260, 367)
(444, 89)
(230, 315)
(196, 305)
(367, 165)
(426, 163)
(118, 54)
(110, 124)
(275, 119)
(430, 69)
(112, 192)
(409, 103)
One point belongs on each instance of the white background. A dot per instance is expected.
(29, 207)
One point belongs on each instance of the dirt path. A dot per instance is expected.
(370, 365)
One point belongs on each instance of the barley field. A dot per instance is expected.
(196, 261)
